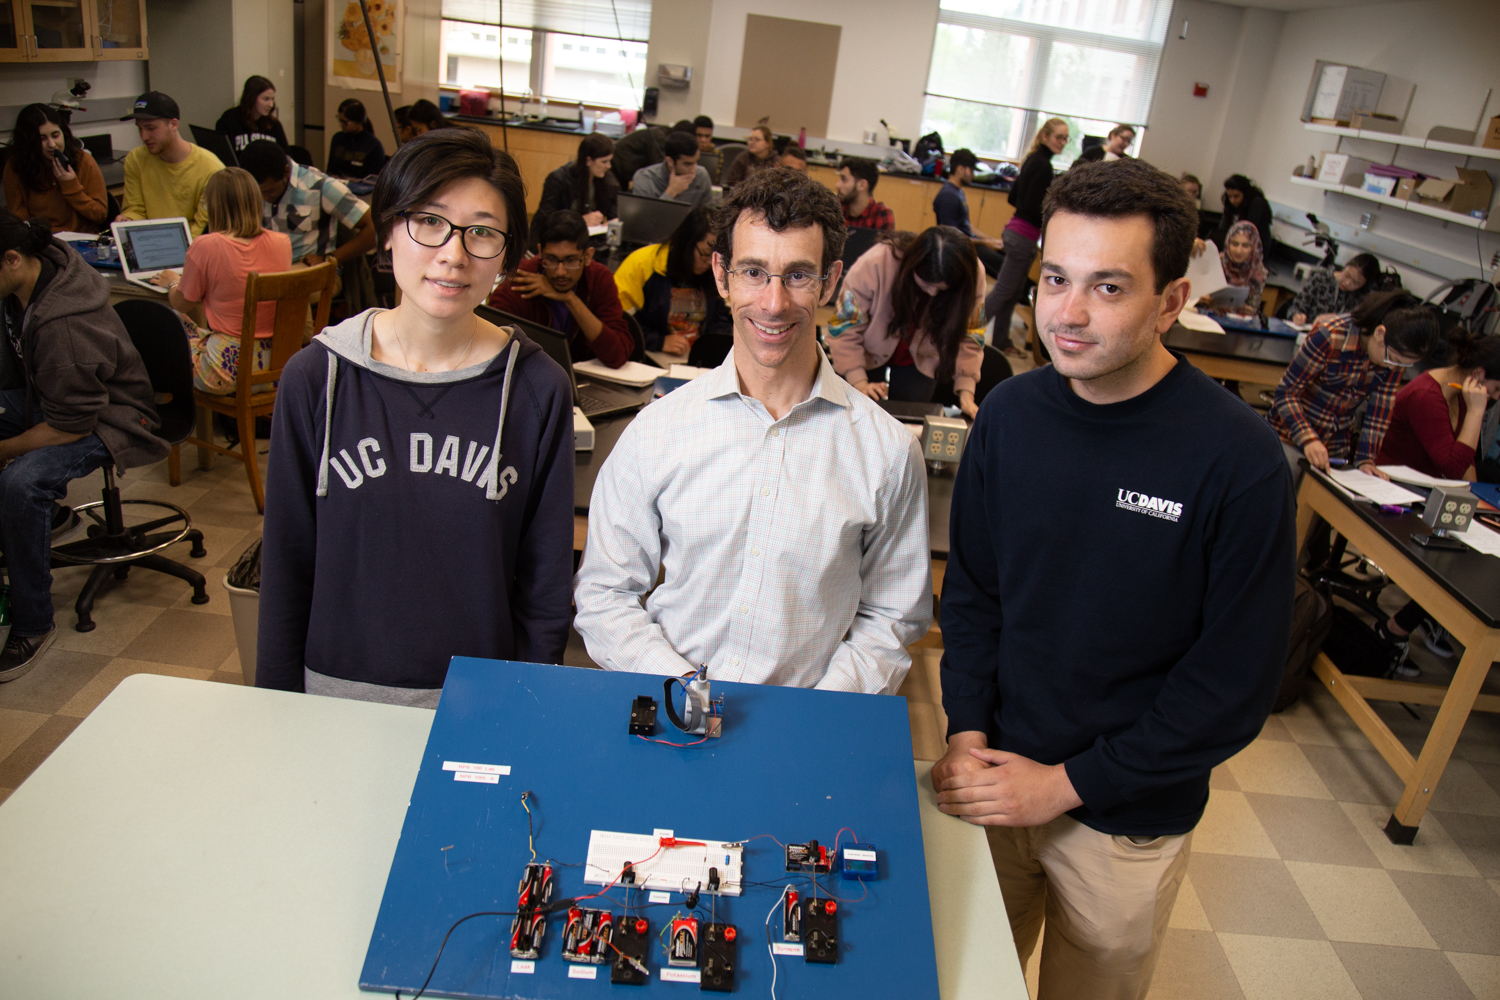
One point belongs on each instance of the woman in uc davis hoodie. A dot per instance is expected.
(420, 489)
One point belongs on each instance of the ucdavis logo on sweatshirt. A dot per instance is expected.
(1142, 503)
(425, 456)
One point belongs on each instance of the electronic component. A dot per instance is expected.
(683, 949)
(810, 857)
(663, 862)
(943, 438)
(791, 917)
(701, 714)
(820, 931)
(586, 936)
(643, 716)
(1449, 509)
(857, 861)
(631, 942)
(718, 959)
(530, 923)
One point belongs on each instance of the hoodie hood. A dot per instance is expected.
(74, 290)
(351, 340)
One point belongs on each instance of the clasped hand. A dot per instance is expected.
(995, 788)
(534, 285)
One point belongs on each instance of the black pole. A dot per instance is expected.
(500, 34)
(380, 71)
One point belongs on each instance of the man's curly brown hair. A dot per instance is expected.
(788, 199)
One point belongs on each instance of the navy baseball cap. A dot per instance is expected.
(153, 104)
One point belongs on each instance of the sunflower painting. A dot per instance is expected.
(351, 57)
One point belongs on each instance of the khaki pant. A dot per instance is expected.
(1106, 901)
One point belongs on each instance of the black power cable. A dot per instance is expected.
(482, 913)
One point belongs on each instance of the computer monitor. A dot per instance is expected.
(100, 147)
(216, 143)
(649, 220)
(595, 399)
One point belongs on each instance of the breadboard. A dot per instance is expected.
(674, 869)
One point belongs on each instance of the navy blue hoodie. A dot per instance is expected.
(411, 518)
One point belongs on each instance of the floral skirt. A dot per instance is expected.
(216, 359)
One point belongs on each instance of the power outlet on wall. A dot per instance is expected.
(1301, 271)
(871, 138)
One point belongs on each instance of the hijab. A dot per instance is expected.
(1253, 270)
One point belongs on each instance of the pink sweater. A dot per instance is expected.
(215, 274)
(860, 335)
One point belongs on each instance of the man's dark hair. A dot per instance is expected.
(427, 113)
(685, 125)
(1131, 187)
(433, 160)
(565, 227)
(680, 144)
(962, 158)
(265, 160)
(795, 152)
(703, 121)
(789, 199)
(862, 170)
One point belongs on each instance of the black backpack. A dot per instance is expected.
(1355, 649)
(932, 142)
(1312, 617)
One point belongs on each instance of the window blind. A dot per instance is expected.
(597, 18)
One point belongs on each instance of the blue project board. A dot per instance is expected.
(798, 765)
(89, 252)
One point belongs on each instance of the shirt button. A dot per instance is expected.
(755, 552)
(734, 661)
(744, 609)
(775, 432)
(765, 491)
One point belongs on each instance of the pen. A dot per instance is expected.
(1338, 461)
(1454, 385)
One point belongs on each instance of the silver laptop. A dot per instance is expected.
(1230, 297)
(149, 246)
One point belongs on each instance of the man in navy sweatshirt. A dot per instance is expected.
(1118, 595)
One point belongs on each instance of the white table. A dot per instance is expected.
(193, 839)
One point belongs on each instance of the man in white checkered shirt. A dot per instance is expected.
(788, 511)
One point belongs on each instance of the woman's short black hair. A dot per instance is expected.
(26, 237)
(427, 113)
(1411, 328)
(430, 162)
(1368, 265)
(353, 109)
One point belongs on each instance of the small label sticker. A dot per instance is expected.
(583, 972)
(786, 948)
(681, 976)
(662, 833)
(661, 897)
(458, 765)
(488, 779)
(522, 967)
(853, 854)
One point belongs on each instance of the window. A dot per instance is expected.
(1002, 67)
(571, 50)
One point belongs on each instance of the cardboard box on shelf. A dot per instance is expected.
(1341, 168)
(1337, 91)
(1469, 194)
(1407, 187)
(1492, 134)
(1375, 184)
(1371, 122)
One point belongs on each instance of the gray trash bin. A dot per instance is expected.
(242, 582)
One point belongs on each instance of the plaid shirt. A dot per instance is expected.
(875, 216)
(1327, 380)
(311, 199)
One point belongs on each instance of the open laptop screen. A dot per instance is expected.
(152, 248)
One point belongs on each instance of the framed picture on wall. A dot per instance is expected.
(351, 54)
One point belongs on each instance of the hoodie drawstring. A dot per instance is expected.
(491, 490)
(333, 372)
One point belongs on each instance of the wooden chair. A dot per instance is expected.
(291, 291)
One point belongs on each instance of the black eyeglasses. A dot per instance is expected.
(481, 242)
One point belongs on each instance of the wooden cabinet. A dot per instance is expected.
(537, 152)
(72, 30)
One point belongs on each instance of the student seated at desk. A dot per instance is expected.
(1346, 361)
(914, 303)
(254, 118)
(355, 151)
(670, 287)
(565, 288)
(677, 177)
(1435, 428)
(1243, 260)
(419, 118)
(857, 180)
(951, 208)
(165, 174)
(214, 275)
(583, 185)
(794, 158)
(49, 174)
(303, 202)
(404, 527)
(1328, 292)
(758, 155)
(1243, 202)
(708, 153)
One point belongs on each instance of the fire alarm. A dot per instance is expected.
(1200, 90)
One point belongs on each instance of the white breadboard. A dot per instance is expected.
(675, 869)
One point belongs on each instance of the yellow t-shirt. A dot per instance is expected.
(155, 189)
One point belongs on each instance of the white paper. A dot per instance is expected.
(1206, 272)
(670, 975)
(786, 948)
(1330, 86)
(852, 854)
(1479, 538)
(632, 373)
(583, 972)
(1374, 488)
(1410, 476)
(484, 779)
(661, 897)
(1197, 321)
(599, 230)
(522, 967)
(688, 372)
(457, 765)
(71, 237)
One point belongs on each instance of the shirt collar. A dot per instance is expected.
(725, 381)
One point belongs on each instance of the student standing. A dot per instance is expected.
(583, 185)
(678, 177)
(856, 186)
(781, 560)
(254, 118)
(1329, 292)
(85, 403)
(214, 276)
(672, 290)
(49, 174)
(1346, 361)
(565, 288)
(913, 304)
(165, 174)
(355, 151)
(951, 208)
(1242, 202)
(1020, 235)
(418, 501)
(1081, 735)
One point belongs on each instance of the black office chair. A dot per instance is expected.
(113, 547)
(638, 353)
(857, 240)
(992, 371)
(728, 153)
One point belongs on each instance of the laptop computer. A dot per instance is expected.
(1230, 297)
(150, 246)
(595, 399)
(216, 143)
(649, 220)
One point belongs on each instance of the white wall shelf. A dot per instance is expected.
(1391, 138)
(1389, 202)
